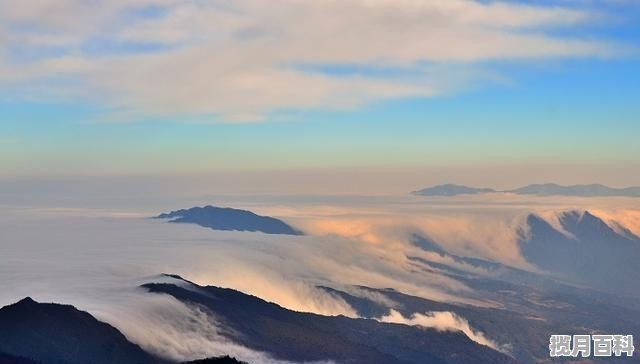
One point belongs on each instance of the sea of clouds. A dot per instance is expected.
(96, 259)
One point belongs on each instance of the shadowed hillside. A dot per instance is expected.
(53, 333)
(588, 251)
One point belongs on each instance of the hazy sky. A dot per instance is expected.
(333, 95)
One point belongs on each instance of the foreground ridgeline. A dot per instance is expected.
(32, 332)
(49, 333)
(547, 189)
(53, 333)
(225, 218)
(534, 307)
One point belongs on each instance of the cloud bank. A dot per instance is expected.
(245, 59)
(95, 259)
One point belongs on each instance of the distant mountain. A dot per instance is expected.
(592, 190)
(547, 189)
(50, 333)
(301, 337)
(224, 218)
(451, 190)
(587, 250)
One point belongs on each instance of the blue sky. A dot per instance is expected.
(162, 94)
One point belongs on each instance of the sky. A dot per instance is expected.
(342, 96)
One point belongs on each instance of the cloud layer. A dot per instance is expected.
(242, 60)
(95, 259)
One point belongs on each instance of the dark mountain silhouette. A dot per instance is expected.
(220, 360)
(451, 190)
(297, 336)
(60, 334)
(588, 251)
(224, 218)
(592, 190)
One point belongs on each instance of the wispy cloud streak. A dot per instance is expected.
(240, 60)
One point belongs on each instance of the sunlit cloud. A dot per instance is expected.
(621, 219)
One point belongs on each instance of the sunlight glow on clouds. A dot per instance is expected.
(239, 60)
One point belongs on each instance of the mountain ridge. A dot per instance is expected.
(591, 253)
(545, 189)
(296, 336)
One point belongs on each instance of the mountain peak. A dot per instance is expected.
(26, 301)
(584, 224)
(591, 252)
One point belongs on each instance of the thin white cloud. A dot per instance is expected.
(239, 60)
(443, 321)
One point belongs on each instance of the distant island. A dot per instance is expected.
(225, 218)
(547, 189)
(451, 190)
